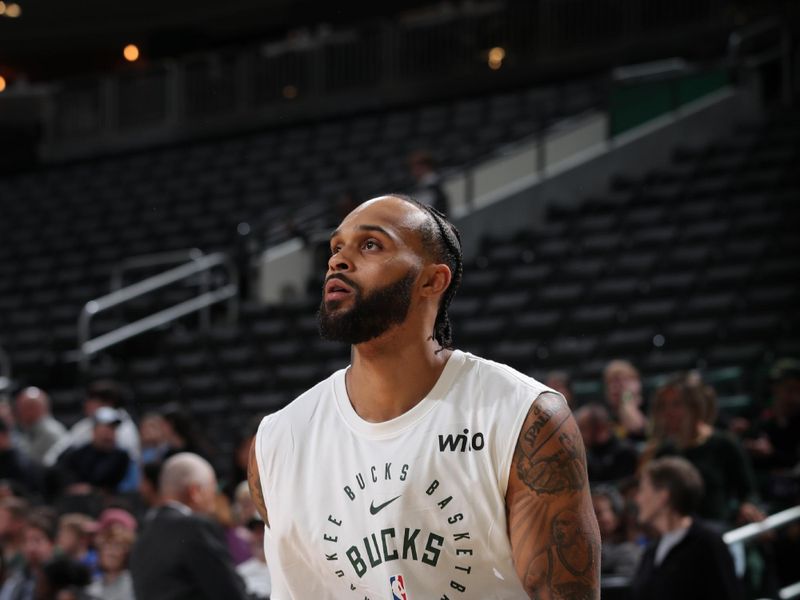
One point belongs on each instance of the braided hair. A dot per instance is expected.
(442, 241)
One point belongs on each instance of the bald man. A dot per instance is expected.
(182, 554)
(419, 471)
(40, 431)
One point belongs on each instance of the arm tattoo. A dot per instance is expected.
(562, 471)
(552, 526)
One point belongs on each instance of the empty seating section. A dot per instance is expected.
(64, 228)
(695, 264)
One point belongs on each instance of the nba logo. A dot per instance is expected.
(398, 587)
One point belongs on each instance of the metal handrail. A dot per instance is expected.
(754, 530)
(163, 258)
(151, 260)
(88, 347)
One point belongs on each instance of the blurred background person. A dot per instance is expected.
(608, 458)
(681, 409)
(689, 560)
(114, 540)
(560, 382)
(63, 579)
(153, 436)
(255, 571)
(13, 519)
(623, 395)
(236, 537)
(619, 555)
(14, 465)
(104, 393)
(773, 441)
(99, 464)
(40, 430)
(74, 539)
(427, 181)
(37, 549)
(182, 554)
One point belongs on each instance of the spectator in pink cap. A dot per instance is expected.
(115, 537)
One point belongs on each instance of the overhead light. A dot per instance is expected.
(131, 53)
(289, 92)
(2, 83)
(496, 56)
(2, 7)
(13, 10)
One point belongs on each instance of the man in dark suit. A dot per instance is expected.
(182, 554)
(689, 561)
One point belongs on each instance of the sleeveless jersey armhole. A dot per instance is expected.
(265, 424)
(507, 455)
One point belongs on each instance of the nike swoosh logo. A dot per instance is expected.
(374, 510)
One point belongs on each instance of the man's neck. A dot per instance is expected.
(671, 521)
(390, 376)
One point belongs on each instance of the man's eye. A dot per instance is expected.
(371, 245)
(334, 250)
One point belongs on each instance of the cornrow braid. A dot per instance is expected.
(443, 241)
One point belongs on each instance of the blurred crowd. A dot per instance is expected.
(748, 464)
(116, 509)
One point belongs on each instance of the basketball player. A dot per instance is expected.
(419, 472)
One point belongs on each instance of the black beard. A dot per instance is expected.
(371, 315)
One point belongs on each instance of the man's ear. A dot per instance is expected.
(435, 279)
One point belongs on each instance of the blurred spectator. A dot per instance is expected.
(255, 571)
(689, 561)
(99, 394)
(148, 486)
(181, 433)
(608, 458)
(559, 381)
(243, 506)
(680, 411)
(153, 435)
(623, 394)
(100, 463)
(182, 554)
(40, 431)
(10, 421)
(13, 518)
(619, 556)
(74, 538)
(114, 541)
(237, 538)
(774, 441)
(241, 455)
(13, 464)
(63, 579)
(37, 549)
(428, 182)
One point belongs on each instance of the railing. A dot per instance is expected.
(88, 347)
(145, 261)
(760, 44)
(327, 71)
(752, 531)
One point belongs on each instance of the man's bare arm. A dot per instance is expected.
(554, 536)
(254, 482)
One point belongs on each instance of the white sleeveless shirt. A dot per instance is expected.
(408, 509)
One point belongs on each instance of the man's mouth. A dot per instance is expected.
(336, 289)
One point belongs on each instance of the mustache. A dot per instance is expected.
(343, 278)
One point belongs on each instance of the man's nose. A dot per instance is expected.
(339, 262)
